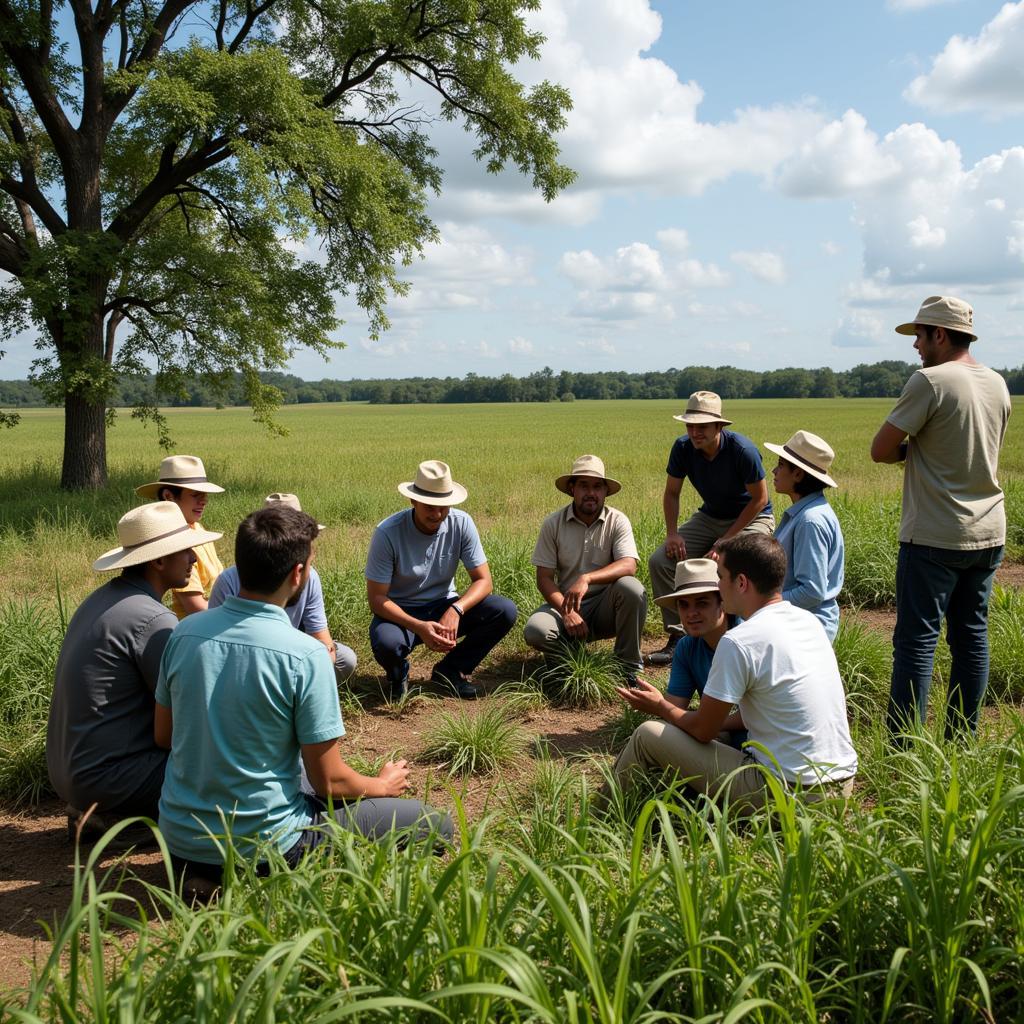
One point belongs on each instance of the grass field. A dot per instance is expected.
(910, 907)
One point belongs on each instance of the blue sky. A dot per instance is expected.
(761, 184)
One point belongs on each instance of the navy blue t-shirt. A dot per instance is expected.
(722, 481)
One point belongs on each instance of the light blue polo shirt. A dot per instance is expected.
(418, 567)
(246, 690)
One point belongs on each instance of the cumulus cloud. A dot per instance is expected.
(859, 329)
(765, 266)
(520, 346)
(674, 240)
(983, 73)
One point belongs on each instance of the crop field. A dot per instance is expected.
(906, 905)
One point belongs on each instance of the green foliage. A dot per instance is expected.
(476, 743)
(865, 666)
(581, 676)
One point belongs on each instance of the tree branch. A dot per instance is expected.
(34, 198)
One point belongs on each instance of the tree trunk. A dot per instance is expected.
(85, 444)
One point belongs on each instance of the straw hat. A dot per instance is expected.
(809, 452)
(434, 485)
(942, 311)
(587, 465)
(693, 576)
(703, 407)
(180, 471)
(151, 531)
(291, 500)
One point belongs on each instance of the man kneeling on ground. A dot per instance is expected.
(778, 667)
(242, 695)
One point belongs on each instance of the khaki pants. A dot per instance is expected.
(615, 610)
(706, 767)
(699, 532)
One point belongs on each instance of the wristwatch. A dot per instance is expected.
(458, 609)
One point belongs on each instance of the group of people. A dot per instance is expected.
(224, 714)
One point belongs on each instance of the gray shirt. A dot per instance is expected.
(99, 740)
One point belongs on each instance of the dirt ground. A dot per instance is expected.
(37, 857)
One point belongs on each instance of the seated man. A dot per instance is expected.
(586, 571)
(242, 696)
(306, 612)
(99, 740)
(410, 584)
(778, 667)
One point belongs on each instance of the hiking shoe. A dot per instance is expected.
(664, 656)
(456, 681)
(399, 687)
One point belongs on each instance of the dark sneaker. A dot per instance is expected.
(456, 681)
(664, 656)
(399, 684)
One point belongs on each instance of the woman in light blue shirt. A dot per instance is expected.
(809, 531)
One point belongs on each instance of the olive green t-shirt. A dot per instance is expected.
(955, 415)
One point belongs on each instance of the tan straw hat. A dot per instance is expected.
(693, 576)
(703, 407)
(151, 531)
(809, 452)
(434, 485)
(942, 311)
(587, 465)
(185, 471)
(291, 500)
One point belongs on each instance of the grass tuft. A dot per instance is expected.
(476, 744)
(581, 676)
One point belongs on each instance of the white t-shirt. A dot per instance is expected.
(779, 668)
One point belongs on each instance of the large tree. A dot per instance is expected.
(162, 166)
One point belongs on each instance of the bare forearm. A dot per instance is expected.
(477, 591)
(751, 511)
(670, 509)
(385, 608)
(612, 571)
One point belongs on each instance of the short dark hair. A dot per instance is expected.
(958, 339)
(270, 543)
(176, 492)
(807, 484)
(759, 558)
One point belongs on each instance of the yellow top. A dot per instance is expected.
(206, 570)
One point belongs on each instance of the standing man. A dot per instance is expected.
(777, 666)
(726, 471)
(99, 740)
(410, 585)
(954, 411)
(306, 612)
(586, 571)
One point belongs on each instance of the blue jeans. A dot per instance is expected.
(933, 584)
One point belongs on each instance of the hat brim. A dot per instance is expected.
(702, 417)
(562, 482)
(797, 461)
(911, 329)
(118, 558)
(457, 496)
(669, 600)
(153, 489)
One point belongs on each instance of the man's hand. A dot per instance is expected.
(394, 778)
(675, 546)
(435, 636)
(713, 552)
(574, 624)
(644, 697)
(572, 597)
(449, 623)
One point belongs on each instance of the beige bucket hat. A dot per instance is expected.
(809, 452)
(180, 471)
(703, 407)
(942, 311)
(693, 576)
(434, 485)
(587, 465)
(151, 531)
(291, 500)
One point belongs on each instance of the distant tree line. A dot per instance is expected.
(868, 380)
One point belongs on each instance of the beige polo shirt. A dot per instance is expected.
(955, 415)
(570, 547)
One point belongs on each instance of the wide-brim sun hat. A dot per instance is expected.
(942, 311)
(693, 576)
(587, 465)
(291, 500)
(185, 471)
(434, 485)
(809, 452)
(152, 531)
(703, 407)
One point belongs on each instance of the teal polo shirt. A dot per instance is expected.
(246, 690)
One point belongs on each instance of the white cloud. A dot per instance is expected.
(520, 346)
(765, 266)
(924, 236)
(859, 329)
(674, 240)
(601, 346)
(980, 73)
(830, 248)
(694, 274)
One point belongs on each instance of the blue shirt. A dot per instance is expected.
(246, 690)
(307, 614)
(813, 541)
(419, 568)
(722, 481)
(691, 663)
